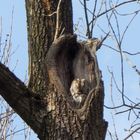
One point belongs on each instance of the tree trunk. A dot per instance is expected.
(56, 60)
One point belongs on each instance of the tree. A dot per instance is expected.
(46, 104)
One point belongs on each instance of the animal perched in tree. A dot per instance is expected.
(79, 90)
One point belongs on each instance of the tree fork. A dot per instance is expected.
(50, 110)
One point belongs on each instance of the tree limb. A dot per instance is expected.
(21, 99)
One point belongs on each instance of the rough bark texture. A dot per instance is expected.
(28, 105)
(41, 22)
(87, 121)
(47, 105)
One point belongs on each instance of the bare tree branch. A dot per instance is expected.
(87, 21)
(57, 29)
(134, 131)
(21, 99)
(115, 6)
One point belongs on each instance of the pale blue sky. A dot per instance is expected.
(106, 56)
(19, 33)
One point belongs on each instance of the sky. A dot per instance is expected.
(106, 57)
(19, 33)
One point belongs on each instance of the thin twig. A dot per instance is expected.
(108, 10)
(128, 14)
(87, 22)
(121, 56)
(117, 87)
(15, 132)
(134, 131)
(57, 20)
(126, 52)
(114, 125)
(94, 10)
(128, 26)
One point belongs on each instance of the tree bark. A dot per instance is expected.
(47, 104)
(41, 23)
(27, 105)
